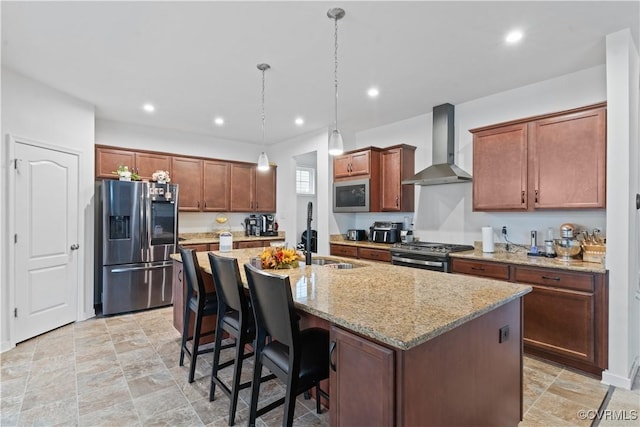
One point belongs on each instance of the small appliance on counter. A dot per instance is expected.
(567, 246)
(356, 235)
(268, 225)
(251, 227)
(385, 232)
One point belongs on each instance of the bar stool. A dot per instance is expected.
(201, 303)
(298, 358)
(236, 319)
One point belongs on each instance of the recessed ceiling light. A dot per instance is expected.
(373, 92)
(299, 121)
(149, 108)
(218, 121)
(513, 36)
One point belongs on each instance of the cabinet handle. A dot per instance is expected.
(332, 347)
(179, 275)
(205, 204)
(478, 268)
(536, 196)
(523, 194)
(557, 279)
(397, 201)
(198, 202)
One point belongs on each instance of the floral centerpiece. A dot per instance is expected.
(125, 174)
(279, 258)
(161, 176)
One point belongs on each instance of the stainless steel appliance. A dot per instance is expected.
(385, 232)
(251, 226)
(356, 235)
(426, 255)
(138, 231)
(351, 196)
(267, 225)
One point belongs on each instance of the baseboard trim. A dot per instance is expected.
(622, 382)
(5, 346)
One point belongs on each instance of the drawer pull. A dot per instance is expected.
(478, 268)
(557, 279)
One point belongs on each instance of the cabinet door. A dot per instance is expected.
(569, 160)
(187, 173)
(108, 160)
(265, 199)
(390, 199)
(500, 169)
(361, 381)
(343, 250)
(480, 268)
(341, 166)
(360, 163)
(374, 254)
(178, 296)
(216, 189)
(243, 178)
(148, 163)
(251, 244)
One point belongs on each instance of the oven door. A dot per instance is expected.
(425, 262)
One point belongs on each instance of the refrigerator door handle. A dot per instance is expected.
(127, 269)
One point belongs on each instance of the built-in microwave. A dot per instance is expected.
(351, 196)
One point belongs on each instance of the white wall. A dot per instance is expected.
(37, 112)
(623, 159)
(309, 161)
(156, 139)
(444, 212)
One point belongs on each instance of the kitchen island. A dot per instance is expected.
(413, 347)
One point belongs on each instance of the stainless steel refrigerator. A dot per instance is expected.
(139, 230)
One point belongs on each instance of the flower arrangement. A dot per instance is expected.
(279, 258)
(125, 174)
(161, 176)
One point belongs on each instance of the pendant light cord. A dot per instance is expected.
(335, 70)
(263, 119)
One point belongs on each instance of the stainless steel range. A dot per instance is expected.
(425, 255)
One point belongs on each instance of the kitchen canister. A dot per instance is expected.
(487, 239)
(226, 242)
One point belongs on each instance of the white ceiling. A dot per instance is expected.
(197, 60)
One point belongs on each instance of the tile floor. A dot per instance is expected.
(123, 371)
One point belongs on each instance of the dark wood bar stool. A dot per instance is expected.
(201, 303)
(298, 358)
(236, 319)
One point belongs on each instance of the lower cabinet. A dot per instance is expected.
(343, 250)
(251, 244)
(204, 247)
(361, 380)
(350, 251)
(565, 315)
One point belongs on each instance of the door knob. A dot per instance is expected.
(75, 246)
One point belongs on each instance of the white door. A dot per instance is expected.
(46, 227)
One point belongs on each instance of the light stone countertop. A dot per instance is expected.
(402, 307)
(213, 237)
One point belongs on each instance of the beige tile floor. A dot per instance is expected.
(123, 371)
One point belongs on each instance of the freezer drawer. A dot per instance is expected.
(130, 287)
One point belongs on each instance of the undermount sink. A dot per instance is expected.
(332, 263)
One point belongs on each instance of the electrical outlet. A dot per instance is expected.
(504, 230)
(504, 334)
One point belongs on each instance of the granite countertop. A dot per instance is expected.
(521, 258)
(338, 239)
(414, 307)
(213, 237)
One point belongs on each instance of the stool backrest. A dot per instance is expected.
(226, 279)
(273, 306)
(192, 274)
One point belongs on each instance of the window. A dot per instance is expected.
(305, 181)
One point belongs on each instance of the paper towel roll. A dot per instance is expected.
(487, 239)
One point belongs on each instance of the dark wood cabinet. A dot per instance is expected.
(355, 163)
(565, 315)
(252, 190)
(178, 288)
(397, 163)
(265, 197)
(251, 244)
(201, 247)
(554, 161)
(187, 173)
(148, 163)
(108, 160)
(362, 377)
(216, 187)
(500, 169)
(374, 254)
(343, 250)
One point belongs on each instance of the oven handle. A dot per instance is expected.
(417, 261)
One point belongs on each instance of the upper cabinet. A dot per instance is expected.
(187, 173)
(216, 186)
(356, 164)
(143, 163)
(252, 190)
(396, 164)
(556, 161)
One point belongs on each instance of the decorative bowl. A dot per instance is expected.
(567, 248)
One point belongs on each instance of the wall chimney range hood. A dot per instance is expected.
(443, 170)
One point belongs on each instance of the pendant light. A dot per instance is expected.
(263, 160)
(336, 147)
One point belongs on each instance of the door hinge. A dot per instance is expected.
(15, 312)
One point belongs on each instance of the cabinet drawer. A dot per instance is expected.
(341, 250)
(374, 254)
(555, 278)
(479, 268)
(251, 244)
(198, 248)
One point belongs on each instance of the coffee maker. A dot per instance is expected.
(268, 225)
(252, 226)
